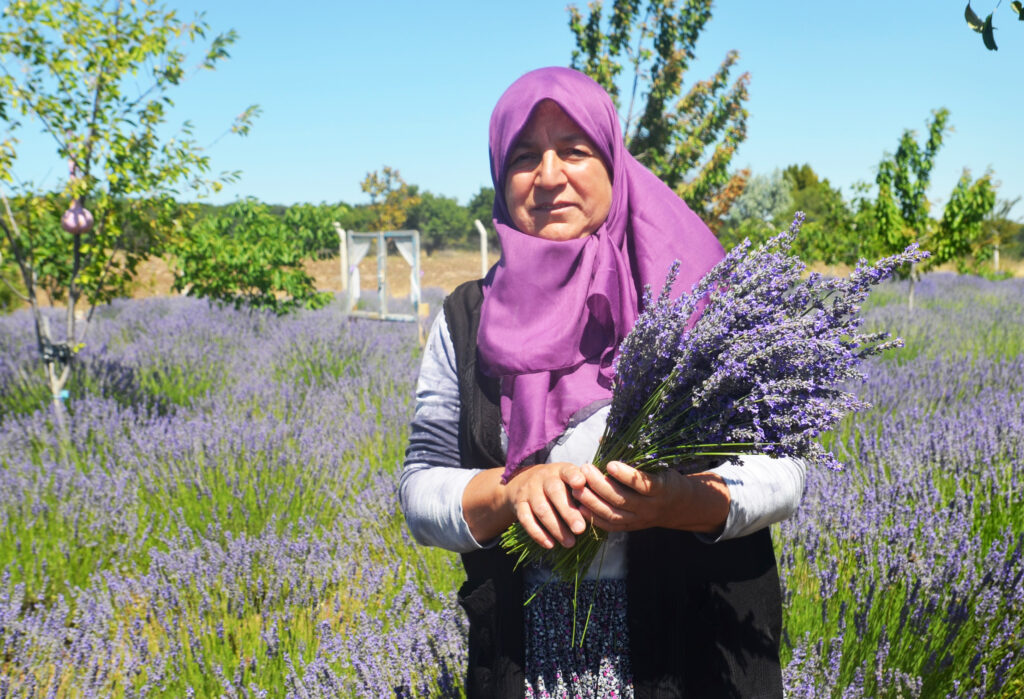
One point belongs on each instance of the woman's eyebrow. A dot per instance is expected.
(573, 136)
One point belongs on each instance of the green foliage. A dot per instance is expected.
(902, 208)
(139, 227)
(481, 206)
(832, 232)
(766, 198)
(96, 77)
(246, 256)
(440, 221)
(391, 198)
(986, 28)
(76, 69)
(689, 139)
(10, 286)
(829, 234)
(962, 224)
(1001, 233)
(313, 226)
(764, 207)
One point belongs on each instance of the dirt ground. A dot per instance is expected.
(445, 269)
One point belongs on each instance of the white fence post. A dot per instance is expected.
(382, 287)
(343, 255)
(483, 247)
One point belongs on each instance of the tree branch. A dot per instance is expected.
(21, 94)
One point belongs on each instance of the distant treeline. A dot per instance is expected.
(837, 229)
(442, 222)
(841, 231)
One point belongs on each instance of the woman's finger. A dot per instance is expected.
(597, 521)
(612, 492)
(636, 480)
(572, 475)
(564, 505)
(594, 505)
(549, 518)
(524, 514)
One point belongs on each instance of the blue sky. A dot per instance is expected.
(347, 87)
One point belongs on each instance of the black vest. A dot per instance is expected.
(704, 620)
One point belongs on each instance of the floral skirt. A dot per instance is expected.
(558, 668)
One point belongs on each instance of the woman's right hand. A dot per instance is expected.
(538, 497)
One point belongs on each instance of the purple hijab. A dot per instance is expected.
(554, 312)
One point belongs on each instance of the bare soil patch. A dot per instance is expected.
(445, 269)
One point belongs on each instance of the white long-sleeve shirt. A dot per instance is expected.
(762, 490)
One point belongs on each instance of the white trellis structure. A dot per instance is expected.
(354, 246)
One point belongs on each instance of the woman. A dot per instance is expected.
(511, 401)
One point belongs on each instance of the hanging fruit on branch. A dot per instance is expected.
(77, 219)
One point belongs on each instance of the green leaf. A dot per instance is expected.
(973, 20)
(1018, 7)
(987, 35)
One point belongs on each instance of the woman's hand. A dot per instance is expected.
(537, 496)
(542, 504)
(627, 500)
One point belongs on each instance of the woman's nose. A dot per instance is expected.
(551, 173)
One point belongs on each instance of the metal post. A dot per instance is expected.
(483, 247)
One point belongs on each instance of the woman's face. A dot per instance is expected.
(556, 184)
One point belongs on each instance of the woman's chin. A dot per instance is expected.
(560, 231)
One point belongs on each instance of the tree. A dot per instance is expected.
(760, 211)
(391, 198)
(481, 206)
(963, 218)
(689, 139)
(986, 28)
(246, 256)
(441, 222)
(96, 79)
(313, 226)
(999, 232)
(828, 230)
(902, 207)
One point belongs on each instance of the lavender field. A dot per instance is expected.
(224, 521)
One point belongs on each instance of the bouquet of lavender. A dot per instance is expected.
(760, 371)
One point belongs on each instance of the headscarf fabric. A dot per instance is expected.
(554, 312)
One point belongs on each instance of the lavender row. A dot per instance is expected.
(225, 522)
(903, 575)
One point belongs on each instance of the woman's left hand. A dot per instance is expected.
(628, 500)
